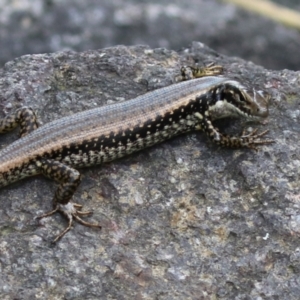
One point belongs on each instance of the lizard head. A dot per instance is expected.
(234, 100)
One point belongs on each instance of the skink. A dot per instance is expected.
(106, 133)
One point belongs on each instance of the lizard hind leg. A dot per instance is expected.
(25, 117)
(71, 211)
(68, 179)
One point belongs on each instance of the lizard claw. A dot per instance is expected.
(71, 211)
(253, 139)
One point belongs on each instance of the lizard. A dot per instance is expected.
(106, 133)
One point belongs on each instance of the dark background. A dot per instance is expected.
(41, 26)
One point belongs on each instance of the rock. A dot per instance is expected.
(39, 26)
(182, 220)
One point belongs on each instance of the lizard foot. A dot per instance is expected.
(72, 212)
(253, 139)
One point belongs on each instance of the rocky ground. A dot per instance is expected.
(182, 220)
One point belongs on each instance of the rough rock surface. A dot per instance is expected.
(181, 220)
(39, 26)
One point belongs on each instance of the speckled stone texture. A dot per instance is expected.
(43, 26)
(182, 220)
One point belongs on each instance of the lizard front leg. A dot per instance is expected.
(250, 140)
(190, 72)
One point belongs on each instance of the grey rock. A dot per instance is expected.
(39, 26)
(182, 220)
